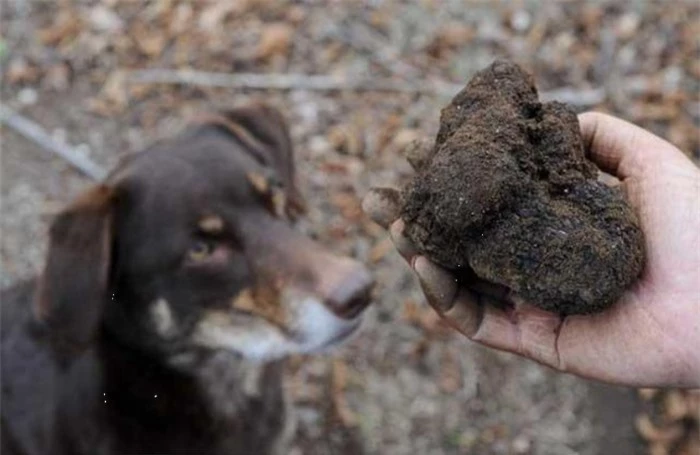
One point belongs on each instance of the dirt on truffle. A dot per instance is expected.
(508, 192)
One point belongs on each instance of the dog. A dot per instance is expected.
(170, 296)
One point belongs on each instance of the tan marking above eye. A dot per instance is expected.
(260, 183)
(275, 196)
(211, 224)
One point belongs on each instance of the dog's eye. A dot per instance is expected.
(200, 250)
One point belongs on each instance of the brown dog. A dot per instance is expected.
(170, 293)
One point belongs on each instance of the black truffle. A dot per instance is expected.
(508, 192)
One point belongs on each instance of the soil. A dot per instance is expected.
(508, 192)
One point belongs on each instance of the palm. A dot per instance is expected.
(644, 338)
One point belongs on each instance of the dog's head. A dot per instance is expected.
(188, 246)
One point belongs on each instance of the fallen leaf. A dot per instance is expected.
(274, 40)
(347, 140)
(150, 42)
(21, 71)
(647, 394)
(450, 376)
(65, 27)
(104, 19)
(653, 434)
(181, 19)
(348, 204)
(58, 77)
(380, 250)
(112, 98)
(339, 382)
(214, 15)
(675, 406)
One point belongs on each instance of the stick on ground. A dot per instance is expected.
(321, 82)
(39, 136)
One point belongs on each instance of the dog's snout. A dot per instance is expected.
(349, 293)
(341, 284)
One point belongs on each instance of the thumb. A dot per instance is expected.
(621, 148)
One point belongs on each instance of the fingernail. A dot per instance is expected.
(403, 245)
(382, 205)
(466, 313)
(439, 286)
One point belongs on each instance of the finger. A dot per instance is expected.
(402, 244)
(417, 153)
(621, 148)
(467, 312)
(627, 346)
(382, 205)
(527, 331)
(458, 306)
(439, 286)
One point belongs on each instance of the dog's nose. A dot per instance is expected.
(351, 293)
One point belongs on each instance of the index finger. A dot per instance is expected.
(382, 205)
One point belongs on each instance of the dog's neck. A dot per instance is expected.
(223, 397)
(224, 380)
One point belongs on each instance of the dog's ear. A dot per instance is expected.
(71, 292)
(264, 129)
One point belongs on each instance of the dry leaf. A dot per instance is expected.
(339, 382)
(213, 16)
(114, 88)
(450, 379)
(58, 77)
(380, 250)
(675, 406)
(21, 71)
(450, 36)
(387, 131)
(411, 312)
(296, 14)
(65, 28)
(181, 19)
(653, 434)
(275, 40)
(647, 394)
(334, 167)
(347, 140)
(348, 204)
(113, 96)
(103, 19)
(150, 42)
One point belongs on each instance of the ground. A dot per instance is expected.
(406, 384)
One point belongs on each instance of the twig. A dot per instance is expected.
(39, 136)
(291, 81)
(576, 97)
(275, 81)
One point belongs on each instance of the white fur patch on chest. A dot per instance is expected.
(162, 318)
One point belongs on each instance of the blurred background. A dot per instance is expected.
(105, 78)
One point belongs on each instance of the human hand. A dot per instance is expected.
(651, 337)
